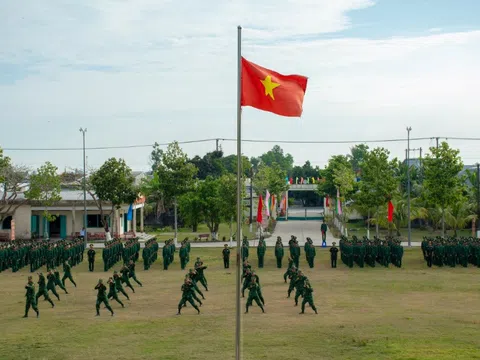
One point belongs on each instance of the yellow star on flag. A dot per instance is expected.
(269, 86)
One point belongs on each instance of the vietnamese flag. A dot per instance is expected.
(268, 90)
(390, 211)
(259, 210)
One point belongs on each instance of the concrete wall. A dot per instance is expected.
(23, 222)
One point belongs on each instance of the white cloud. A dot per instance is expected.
(174, 76)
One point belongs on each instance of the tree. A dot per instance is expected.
(156, 156)
(271, 178)
(151, 188)
(327, 186)
(210, 165)
(190, 205)
(11, 178)
(211, 203)
(113, 182)
(175, 173)
(45, 189)
(357, 156)
(344, 180)
(459, 214)
(378, 182)
(230, 164)
(277, 156)
(442, 185)
(228, 195)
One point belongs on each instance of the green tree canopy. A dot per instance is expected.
(277, 156)
(442, 185)
(45, 188)
(327, 186)
(378, 183)
(271, 178)
(175, 173)
(113, 182)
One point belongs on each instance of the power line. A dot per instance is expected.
(245, 141)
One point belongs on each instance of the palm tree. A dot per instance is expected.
(459, 215)
(400, 214)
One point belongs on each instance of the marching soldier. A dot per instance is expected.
(308, 297)
(31, 299)
(112, 292)
(254, 295)
(42, 290)
(102, 297)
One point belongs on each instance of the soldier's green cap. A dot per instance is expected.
(100, 280)
(333, 243)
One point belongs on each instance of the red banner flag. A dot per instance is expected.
(259, 209)
(390, 211)
(267, 90)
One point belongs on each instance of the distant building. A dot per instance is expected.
(27, 220)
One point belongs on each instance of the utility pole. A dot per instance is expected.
(437, 141)
(408, 188)
(478, 200)
(216, 141)
(83, 131)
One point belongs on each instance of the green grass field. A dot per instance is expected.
(370, 313)
(223, 230)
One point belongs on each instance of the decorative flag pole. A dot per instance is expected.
(238, 333)
(266, 90)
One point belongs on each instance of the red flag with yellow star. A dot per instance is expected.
(268, 90)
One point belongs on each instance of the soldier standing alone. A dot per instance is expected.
(323, 229)
(226, 256)
(91, 258)
(333, 255)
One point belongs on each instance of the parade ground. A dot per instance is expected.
(414, 312)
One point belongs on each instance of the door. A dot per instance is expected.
(63, 226)
(125, 223)
(34, 227)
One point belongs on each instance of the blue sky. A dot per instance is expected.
(136, 72)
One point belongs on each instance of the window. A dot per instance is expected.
(7, 223)
(93, 221)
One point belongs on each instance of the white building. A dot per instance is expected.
(28, 221)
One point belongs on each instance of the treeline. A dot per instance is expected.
(442, 195)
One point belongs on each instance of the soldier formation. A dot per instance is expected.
(385, 252)
(18, 254)
(451, 251)
(150, 253)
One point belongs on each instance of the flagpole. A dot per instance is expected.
(239, 193)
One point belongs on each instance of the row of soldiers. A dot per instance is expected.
(46, 285)
(112, 253)
(190, 288)
(115, 286)
(385, 252)
(301, 284)
(451, 251)
(184, 253)
(168, 253)
(114, 250)
(131, 250)
(294, 250)
(20, 253)
(150, 253)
